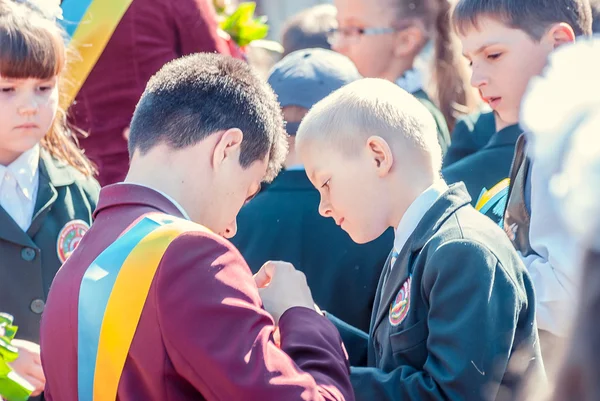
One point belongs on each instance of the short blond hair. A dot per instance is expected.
(373, 107)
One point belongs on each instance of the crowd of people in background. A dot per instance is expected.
(396, 201)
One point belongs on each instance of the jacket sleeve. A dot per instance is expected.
(355, 340)
(197, 27)
(220, 339)
(468, 291)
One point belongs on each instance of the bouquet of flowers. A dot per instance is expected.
(12, 386)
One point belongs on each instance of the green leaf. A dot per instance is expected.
(14, 388)
(251, 32)
(243, 14)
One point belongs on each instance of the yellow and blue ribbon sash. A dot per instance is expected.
(487, 199)
(90, 25)
(111, 299)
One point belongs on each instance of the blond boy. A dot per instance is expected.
(454, 316)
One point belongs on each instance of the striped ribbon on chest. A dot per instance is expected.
(111, 299)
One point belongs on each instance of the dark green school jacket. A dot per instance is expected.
(471, 133)
(29, 261)
(283, 223)
(454, 317)
(486, 173)
(440, 121)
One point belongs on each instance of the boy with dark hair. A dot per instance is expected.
(154, 302)
(508, 43)
(283, 222)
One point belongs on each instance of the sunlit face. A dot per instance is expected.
(372, 54)
(503, 60)
(237, 186)
(349, 189)
(27, 110)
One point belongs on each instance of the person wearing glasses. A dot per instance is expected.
(384, 39)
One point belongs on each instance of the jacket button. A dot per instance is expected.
(28, 254)
(37, 306)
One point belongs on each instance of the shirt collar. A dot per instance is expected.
(173, 201)
(416, 211)
(25, 171)
(295, 167)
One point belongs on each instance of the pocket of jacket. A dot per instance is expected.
(410, 337)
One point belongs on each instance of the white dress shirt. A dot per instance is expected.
(414, 214)
(19, 184)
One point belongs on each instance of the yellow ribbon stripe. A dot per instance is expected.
(125, 306)
(486, 197)
(89, 40)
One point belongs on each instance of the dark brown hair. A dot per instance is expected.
(531, 16)
(33, 46)
(199, 95)
(452, 91)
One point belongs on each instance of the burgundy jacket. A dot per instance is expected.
(150, 34)
(203, 334)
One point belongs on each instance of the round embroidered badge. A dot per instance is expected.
(399, 308)
(69, 237)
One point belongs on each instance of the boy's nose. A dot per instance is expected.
(478, 79)
(324, 209)
(230, 230)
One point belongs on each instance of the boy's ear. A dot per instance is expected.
(381, 155)
(227, 147)
(561, 34)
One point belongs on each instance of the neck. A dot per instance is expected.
(7, 157)
(164, 175)
(405, 195)
(500, 123)
(397, 69)
(292, 159)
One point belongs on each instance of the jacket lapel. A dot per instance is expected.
(379, 293)
(453, 199)
(53, 174)
(11, 232)
(399, 274)
(46, 197)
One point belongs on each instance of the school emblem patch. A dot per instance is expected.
(399, 308)
(69, 237)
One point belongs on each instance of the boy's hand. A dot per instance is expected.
(29, 365)
(282, 287)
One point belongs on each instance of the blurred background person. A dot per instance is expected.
(150, 34)
(384, 38)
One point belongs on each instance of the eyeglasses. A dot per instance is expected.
(354, 33)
